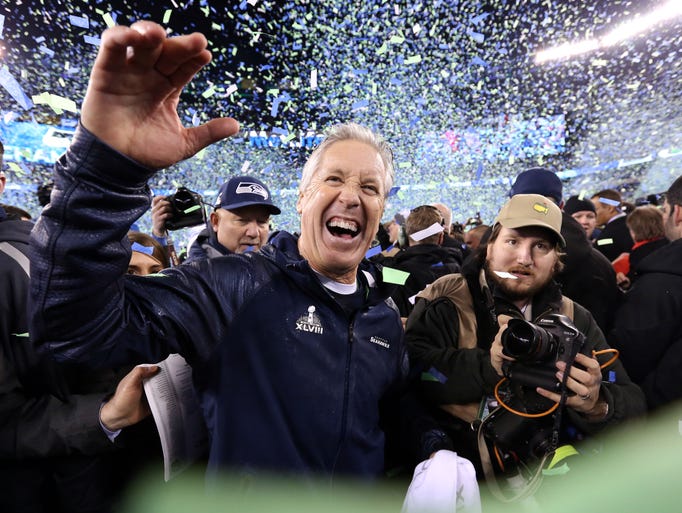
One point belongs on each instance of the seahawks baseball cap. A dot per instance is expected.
(243, 191)
(524, 210)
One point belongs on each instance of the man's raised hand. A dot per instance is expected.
(135, 85)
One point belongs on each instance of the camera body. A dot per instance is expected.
(187, 209)
(537, 347)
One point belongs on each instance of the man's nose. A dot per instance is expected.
(350, 193)
(524, 254)
(252, 229)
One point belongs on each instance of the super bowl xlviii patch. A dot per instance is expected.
(310, 322)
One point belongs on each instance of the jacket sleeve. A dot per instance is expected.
(625, 398)
(84, 306)
(647, 333)
(41, 426)
(449, 374)
(34, 423)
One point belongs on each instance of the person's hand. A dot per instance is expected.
(584, 380)
(132, 98)
(496, 356)
(161, 211)
(128, 405)
(622, 281)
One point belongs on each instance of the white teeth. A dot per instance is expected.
(345, 225)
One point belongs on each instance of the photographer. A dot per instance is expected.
(240, 221)
(454, 333)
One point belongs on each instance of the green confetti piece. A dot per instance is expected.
(556, 471)
(192, 209)
(382, 49)
(395, 276)
(397, 40)
(108, 20)
(413, 59)
(15, 167)
(167, 15)
(209, 92)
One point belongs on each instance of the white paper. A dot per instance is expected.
(177, 414)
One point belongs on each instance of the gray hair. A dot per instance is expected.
(353, 132)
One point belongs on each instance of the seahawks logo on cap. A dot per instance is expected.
(542, 209)
(251, 188)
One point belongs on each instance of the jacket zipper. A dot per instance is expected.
(344, 414)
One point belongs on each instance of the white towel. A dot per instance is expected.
(444, 483)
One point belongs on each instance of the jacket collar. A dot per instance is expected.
(282, 250)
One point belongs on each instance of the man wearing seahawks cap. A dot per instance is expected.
(240, 221)
(454, 332)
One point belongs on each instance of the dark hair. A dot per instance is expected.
(15, 212)
(646, 222)
(43, 193)
(383, 237)
(611, 194)
(674, 194)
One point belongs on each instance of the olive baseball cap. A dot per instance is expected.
(524, 210)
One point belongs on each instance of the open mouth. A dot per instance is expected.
(521, 272)
(343, 228)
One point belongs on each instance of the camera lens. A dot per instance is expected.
(525, 341)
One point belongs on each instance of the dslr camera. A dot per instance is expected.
(522, 433)
(187, 209)
(537, 347)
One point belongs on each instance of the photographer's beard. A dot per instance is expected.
(517, 290)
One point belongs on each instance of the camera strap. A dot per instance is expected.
(518, 493)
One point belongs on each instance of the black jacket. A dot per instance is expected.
(588, 277)
(614, 239)
(288, 379)
(54, 455)
(640, 252)
(648, 326)
(465, 375)
(425, 263)
(206, 245)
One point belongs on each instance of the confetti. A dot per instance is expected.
(455, 90)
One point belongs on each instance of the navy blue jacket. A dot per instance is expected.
(288, 380)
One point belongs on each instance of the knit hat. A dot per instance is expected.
(524, 210)
(242, 191)
(575, 204)
(538, 180)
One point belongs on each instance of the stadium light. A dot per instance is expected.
(627, 30)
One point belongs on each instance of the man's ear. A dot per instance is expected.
(3, 180)
(441, 238)
(214, 221)
(299, 203)
(677, 214)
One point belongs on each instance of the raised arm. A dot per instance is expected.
(83, 306)
(132, 98)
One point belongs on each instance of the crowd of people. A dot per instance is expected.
(349, 349)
